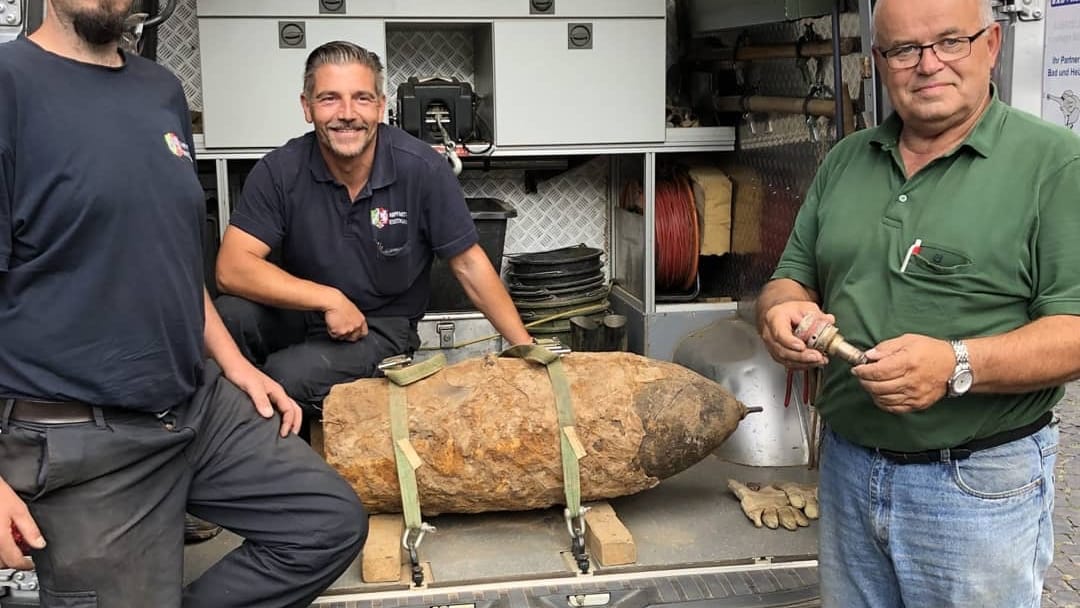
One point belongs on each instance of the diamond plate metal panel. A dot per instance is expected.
(783, 77)
(786, 158)
(443, 52)
(178, 50)
(568, 209)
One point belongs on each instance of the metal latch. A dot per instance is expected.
(576, 527)
(554, 345)
(588, 600)
(17, 580)
(411, 540)
(1025, 10)
(446, 334)
(332, 7)
(395, 362)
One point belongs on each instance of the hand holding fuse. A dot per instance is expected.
(819, 334)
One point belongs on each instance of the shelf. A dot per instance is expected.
(685, 307)
(709, 139)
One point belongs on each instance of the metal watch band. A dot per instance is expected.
(961, 352)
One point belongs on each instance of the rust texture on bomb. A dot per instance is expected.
(487, 431)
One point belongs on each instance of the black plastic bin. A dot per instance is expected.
(490, 217)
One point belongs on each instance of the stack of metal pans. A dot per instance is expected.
(554, 282)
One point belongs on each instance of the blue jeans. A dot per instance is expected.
(974, 532)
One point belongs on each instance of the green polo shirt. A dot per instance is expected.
(999, 220)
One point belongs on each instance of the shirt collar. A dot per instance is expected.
(383, 168)
(982, 139)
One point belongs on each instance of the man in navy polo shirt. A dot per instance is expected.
(357, 209)
(111, 424)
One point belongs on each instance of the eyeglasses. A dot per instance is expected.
(907, 56)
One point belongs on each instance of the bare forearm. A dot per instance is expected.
(486, 291)
(779, 291)
(256, 279)
(1041, 354)
(492, 300)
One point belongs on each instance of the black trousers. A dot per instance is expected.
(110, 498)
(293, 347)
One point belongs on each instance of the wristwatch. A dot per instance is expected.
(961, 380)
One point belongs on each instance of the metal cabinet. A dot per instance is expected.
(554, 72)
(252, 73)
(579, 81)
(441, 10)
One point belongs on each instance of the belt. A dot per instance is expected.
(961, 452)
(51, 412)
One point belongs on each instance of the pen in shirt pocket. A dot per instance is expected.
(915, 248)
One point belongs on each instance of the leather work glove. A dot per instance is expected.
(768, 506)
(802, 496)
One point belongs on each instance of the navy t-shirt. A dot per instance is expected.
(377, 249)
(101, 220)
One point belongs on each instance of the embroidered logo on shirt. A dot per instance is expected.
(177, 146)
(382, 217)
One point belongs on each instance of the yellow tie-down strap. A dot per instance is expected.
(405, 456)
(572, 449)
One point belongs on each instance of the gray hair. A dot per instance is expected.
(986, 15)
(340, 52)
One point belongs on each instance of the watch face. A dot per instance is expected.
(961, 382)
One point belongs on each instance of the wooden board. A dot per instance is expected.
(383, 555)
(317, 438)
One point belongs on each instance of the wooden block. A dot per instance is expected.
(317, 438)
(607, 538)
(747, 204)
(383, 555)
(712, 195)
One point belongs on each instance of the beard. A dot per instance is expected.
(98, 25)
(344, 150)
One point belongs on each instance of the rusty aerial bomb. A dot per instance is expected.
(487, 431)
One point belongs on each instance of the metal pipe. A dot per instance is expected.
(814, 106)
(650, 234)
(818, 48)
(802, 106)
(838, 72)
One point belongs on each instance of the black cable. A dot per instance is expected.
(148, 43)
(477, 100)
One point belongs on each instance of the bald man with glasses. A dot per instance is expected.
(944, 241)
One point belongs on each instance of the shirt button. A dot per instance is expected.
(902, 198)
